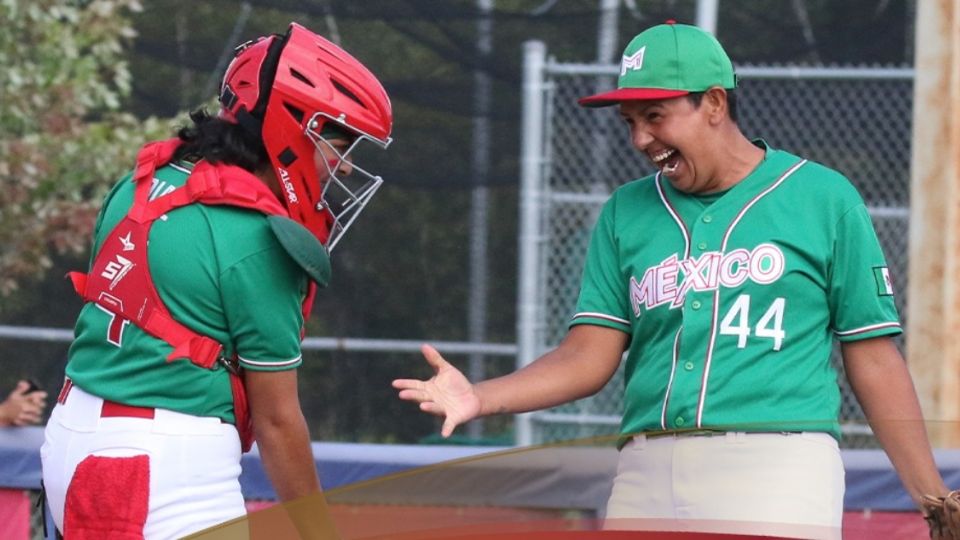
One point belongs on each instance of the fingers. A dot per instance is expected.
(414, 395)
(419, 391)
(28, 414)
(38, 398)
(448, 426)
(433, 357)
(412, 390)
(21, 387)
(26, 418)
(432, 408)
(403, 384)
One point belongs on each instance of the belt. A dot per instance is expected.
(708, 433)
(113, 409)
(685, 433)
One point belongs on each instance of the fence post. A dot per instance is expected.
(531, 181)
(934, 308)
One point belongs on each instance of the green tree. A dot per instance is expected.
(63, 140)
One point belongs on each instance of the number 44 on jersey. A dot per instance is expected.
(770, 326)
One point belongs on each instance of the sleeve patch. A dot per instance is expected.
(881, 274)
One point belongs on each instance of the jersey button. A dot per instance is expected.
(679, 421)
(688, 366)
(702, 246)
(707, 218)
(695, 304)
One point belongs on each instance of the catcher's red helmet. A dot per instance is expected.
(287, 89)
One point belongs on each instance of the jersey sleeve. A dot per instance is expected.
(603, 294)
(262, 296)
(861, 292)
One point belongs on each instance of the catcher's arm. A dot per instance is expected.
(282, 435)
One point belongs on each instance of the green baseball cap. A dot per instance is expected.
(665, 61)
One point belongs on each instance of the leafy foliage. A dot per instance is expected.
(63, 140)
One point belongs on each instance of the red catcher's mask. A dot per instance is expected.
(297, 92)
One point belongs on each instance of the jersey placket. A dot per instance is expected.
(710, 229)
(699, 271)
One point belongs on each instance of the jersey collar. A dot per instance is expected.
(690, 209)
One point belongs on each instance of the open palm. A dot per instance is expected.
(448, 393)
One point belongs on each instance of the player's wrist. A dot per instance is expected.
(485, 406)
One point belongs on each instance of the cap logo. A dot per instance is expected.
(632, 62)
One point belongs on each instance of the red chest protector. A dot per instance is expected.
(120, 282)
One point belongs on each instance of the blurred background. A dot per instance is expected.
(435, 256)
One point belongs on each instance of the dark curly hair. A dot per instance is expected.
(214, 139)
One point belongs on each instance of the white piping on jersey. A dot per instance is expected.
(600, 316)
(716, 293)
(180, 168)
(686, 255)
(269, 364)
(867, 328)
(673, 371)
(675, 216)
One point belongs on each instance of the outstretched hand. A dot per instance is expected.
(448, 393)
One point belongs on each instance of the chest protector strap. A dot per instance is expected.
(120, 282)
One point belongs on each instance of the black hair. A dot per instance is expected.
(697, 97)
(218, 141)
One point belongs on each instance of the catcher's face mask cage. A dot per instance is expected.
(348, 187)
(287, 88)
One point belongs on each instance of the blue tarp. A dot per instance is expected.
(870, 478)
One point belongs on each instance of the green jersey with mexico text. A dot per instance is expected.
(221, 272)
(732, 302)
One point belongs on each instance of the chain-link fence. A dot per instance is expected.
(853, 119)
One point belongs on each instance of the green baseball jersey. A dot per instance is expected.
(732, 302)
(221, 272)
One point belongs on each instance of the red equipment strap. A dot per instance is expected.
(207, 184)
(120, 280)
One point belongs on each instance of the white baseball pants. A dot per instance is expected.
(777, 484)
(181, 471)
